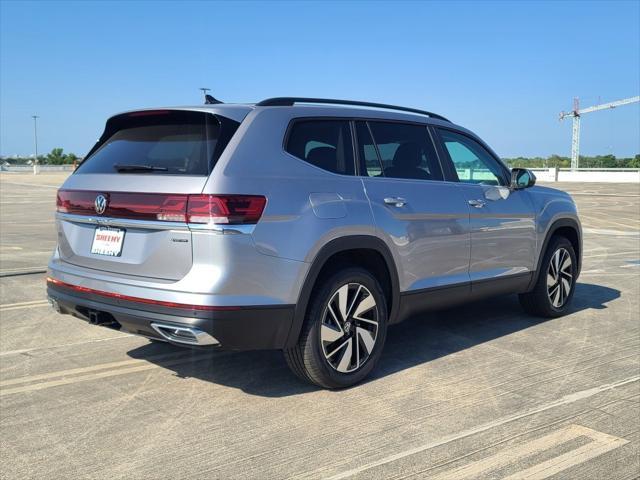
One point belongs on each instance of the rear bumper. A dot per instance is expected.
(233, 328)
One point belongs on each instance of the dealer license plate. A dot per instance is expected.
(108, 241)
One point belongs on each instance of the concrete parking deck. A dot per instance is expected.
(482, 391)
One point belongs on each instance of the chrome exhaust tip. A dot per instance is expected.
(186, 335)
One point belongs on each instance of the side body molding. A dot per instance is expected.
(338, 245)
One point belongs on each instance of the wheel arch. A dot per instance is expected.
(351, 248)
(568, 228)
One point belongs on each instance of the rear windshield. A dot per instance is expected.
(160, 143)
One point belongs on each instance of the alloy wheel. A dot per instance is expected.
(559, 277)
(349, 327)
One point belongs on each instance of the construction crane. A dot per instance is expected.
(576, 113)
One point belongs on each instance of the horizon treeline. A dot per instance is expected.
(557, 161)
(58, 157)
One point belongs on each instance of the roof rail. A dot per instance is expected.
(289, 101)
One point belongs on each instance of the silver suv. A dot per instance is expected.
(301, 224)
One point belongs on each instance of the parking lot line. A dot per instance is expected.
(21, 269)
(93, 376)
(19, 306)
(15, 272)
(567, 399)
(601, 443)
(607, 222)
(67, 381)
(65, 373)
(91, 368)
(594, 194)
(616, 233)
(570, 459)
(51, 347)
(603, 274)
(45, 185)
(632, 252)
(22, 202)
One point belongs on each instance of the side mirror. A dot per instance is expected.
(522, 178)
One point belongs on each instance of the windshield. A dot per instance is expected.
(160, 143)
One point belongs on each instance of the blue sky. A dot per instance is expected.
(502, 69)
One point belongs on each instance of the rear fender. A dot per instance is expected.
(325, 253)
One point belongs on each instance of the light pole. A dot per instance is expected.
(35, 136)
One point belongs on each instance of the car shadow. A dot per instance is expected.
(417, 340)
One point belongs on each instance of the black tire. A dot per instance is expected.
(540, 300)
(311, 359)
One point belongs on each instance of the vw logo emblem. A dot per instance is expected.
(100, 204)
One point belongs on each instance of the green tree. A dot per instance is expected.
(607, 161)
(56, 157)
(556, 161)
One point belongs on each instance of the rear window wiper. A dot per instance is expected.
(139, 168)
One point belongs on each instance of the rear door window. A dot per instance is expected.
(326, 144)
(162, 142)
(369, 161)
(406, 151)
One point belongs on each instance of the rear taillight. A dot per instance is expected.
(200, 209)
(135, 206)
(71, 201)
(225, 209)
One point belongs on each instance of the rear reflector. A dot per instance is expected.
(207, 209)
(184, 306)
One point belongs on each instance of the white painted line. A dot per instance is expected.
(511, 456)
(30, 202)
(91, 368)
(72, 371)
(632, 253)
(617, 233)
(27, 350)
(595, 194)
(602, 443)
(19, 304)
(567, 399)
(20, 269)
(630, 274)
(9, 308)
(20, 272)
(67, 381)
(109, 373)
(45, 185)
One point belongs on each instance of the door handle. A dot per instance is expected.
(395, 201)
(477, 203)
